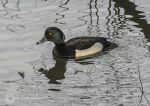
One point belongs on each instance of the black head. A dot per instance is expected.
(53, 34)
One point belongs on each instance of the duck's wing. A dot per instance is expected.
(81, 43)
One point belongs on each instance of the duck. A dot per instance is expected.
(75, 48)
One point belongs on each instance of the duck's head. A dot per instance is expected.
(53, 34)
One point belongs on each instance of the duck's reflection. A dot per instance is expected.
(56, 72)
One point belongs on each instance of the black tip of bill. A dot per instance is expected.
(41, 41)
(37, 43)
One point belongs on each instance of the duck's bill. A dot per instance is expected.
(42, 40)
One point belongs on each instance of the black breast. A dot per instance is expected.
(63, 51)
(81, 43)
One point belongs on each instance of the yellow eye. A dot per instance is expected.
(50, 33)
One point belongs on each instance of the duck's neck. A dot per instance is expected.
(60, 45)
(61, 50)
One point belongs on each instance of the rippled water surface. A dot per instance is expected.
(120, 77)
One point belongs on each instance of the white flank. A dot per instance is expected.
(97, 47)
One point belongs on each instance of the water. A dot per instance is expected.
(118, 78)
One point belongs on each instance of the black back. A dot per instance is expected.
(81, 43)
